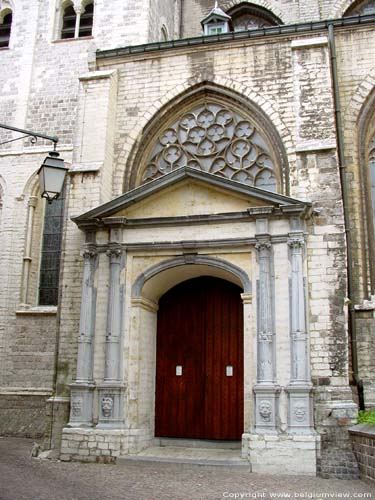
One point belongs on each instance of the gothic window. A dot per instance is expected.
(5, 28)
(217, 139)
(246, 16)
(50, 252)
(86, 20)
(69, 22)
(77, 25)
(361, 8)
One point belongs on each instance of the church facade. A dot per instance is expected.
(208, 272)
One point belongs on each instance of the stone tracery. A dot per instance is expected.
(213, 138)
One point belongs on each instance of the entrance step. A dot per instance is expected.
(198, 443)
(188, 455)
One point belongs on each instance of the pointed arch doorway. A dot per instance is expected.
(199, 365)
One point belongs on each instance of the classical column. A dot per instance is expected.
(78, 11)
(112, 388)
(266, 390)
(299, 389)
(27, 257)
(82, 389)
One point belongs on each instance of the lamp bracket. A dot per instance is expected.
(29, 133)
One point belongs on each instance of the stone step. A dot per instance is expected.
(198, 443)
(188, 456)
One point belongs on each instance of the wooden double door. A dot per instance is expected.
(199, 366)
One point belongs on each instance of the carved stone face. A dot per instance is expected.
(77, 406)
(107, 406)
(300, 412)
(265, 411)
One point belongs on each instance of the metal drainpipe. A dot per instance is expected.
(344, 190)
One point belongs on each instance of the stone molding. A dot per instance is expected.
(190, 259)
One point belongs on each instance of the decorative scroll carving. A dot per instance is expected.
(215, 139)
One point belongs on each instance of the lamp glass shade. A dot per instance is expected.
(51, 177)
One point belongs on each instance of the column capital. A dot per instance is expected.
(114, 252)
(262, 245)
(296, 243)
(33, 200)
(89, 252)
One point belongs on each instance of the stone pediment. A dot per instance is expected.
(188, 192)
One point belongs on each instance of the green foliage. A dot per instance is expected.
(366, 417)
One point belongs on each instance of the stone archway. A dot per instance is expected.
(147, 291)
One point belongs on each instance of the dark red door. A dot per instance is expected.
(199, 366)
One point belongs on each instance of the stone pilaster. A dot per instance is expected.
(82, 389)
(266, 390)
(299, 389)
(33, 201)
(112, 389)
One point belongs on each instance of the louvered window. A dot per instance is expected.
(69, 22)
(51, 251)
(5, 28)
(87, 17)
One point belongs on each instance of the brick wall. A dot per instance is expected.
(363, 441)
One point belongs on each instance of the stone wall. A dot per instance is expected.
(363, 441)
(23, 414)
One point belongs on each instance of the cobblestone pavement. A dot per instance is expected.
(26, 478)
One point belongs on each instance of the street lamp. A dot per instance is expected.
(53, 170)
(51, 176)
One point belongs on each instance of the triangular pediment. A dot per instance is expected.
(186, 192)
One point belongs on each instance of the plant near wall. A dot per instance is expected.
(366, 417)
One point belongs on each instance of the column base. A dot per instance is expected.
(111, 406)
(266, 408)
(81, 404)
(300, 408)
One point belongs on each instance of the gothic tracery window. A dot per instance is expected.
(361, 8)
(214, 138)
(248, 21)
(246, 16)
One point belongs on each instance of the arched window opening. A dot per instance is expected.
(86, 21)
(164, 34)
(218, 139)
(69, 22)
(5, 29)
(360, 8)
(51, 252)
(246, 16)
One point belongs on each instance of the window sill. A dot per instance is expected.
(24, 309)
(62, 40)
